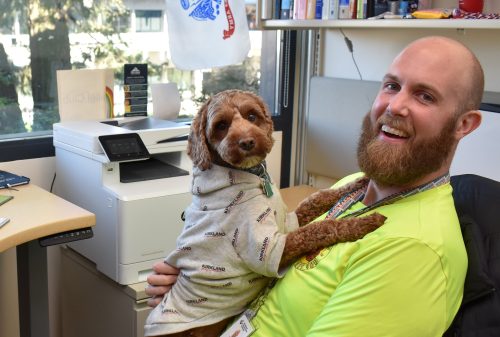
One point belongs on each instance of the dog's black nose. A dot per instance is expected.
(247, 144)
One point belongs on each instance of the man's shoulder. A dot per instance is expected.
(348, 179)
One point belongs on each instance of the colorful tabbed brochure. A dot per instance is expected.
(136, 89)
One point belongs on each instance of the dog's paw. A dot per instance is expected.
(314, 205)
(369, 223)
(377, 218)
(352, 229)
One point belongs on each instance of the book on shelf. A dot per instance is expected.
(361, 9)
(286, 6)
(310, 9)
(277, 9)
(343, 12)
(318, 14)
(370, 8)
(300, 8)
(353, 9)
(330, 9)
(267, 9)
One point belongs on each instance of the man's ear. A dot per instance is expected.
(467, 123)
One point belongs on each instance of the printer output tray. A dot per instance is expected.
(150, 169)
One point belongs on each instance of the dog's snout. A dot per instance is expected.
(247, 144)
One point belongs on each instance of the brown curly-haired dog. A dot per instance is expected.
(232, 128)
(232, 132)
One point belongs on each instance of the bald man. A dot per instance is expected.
(406, 278)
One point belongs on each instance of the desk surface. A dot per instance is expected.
(292, 196)
(35, 213)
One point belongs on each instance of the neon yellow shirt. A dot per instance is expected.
(404, 279)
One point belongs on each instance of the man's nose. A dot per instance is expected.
(399, 104)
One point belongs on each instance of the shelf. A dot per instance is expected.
(383, 23)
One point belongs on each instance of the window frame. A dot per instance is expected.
(26, 148)
(283, 120)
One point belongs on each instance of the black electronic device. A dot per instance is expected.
(124, 147)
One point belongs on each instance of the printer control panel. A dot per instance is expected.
(124, 147)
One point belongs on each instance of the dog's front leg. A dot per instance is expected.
(321, 201)
(320, 234)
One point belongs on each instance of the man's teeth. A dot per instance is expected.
(393, 131)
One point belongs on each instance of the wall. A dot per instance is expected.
(374, 49)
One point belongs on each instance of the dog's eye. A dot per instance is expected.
(221, 126)
(252, 118)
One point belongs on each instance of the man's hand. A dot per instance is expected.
(160, 282)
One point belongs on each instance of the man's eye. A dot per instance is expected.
(391, 86)
(252, 118)
(426, 97)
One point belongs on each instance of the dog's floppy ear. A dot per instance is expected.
(267, 117)
(197, 148)
(269, 121)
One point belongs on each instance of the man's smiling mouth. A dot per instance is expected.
(392, 132)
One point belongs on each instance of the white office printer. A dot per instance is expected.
(135, 176)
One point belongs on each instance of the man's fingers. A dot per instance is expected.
(157, 290)
(165, 268)
(161, 280)
(154, 301)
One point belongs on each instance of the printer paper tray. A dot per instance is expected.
(148, 170)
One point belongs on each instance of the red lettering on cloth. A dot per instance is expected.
(230, 21)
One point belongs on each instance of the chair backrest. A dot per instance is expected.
(477, 201)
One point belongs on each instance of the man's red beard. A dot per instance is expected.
(402, 164)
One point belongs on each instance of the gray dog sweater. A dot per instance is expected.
(232, 243)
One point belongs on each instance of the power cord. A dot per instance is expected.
(52, 184)
(349, 45)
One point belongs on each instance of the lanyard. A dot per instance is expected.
(352, 197)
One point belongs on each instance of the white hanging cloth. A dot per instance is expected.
(207, 33)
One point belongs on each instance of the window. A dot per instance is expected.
(148, 21)
(38, 39)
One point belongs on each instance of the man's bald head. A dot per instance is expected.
(469, 75)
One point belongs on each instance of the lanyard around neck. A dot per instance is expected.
(352, 197)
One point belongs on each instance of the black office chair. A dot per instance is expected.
(477, 200)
